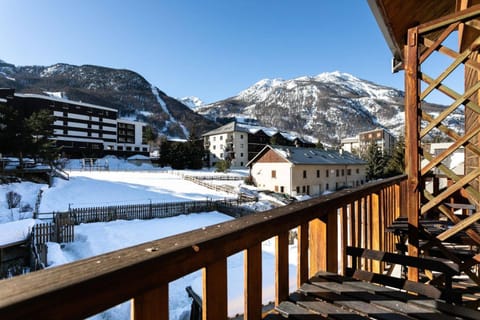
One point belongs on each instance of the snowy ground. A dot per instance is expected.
(122, 186)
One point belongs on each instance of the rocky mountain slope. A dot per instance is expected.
(124, 90)
(329, 106)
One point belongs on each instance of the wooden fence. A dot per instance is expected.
(53, 232)
(148, 211)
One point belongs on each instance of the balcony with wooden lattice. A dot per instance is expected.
(346, 240)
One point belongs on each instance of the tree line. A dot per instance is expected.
(26, 134)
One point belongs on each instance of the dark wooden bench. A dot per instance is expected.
(446, 269)
(366, 295)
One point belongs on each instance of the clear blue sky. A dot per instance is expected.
(212, 49)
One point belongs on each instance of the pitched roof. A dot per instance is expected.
(248, 128)
(297, 155)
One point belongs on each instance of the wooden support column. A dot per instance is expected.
(253, 282)
(412, 144)
(215, 295)
(151, 305)
(281, 268)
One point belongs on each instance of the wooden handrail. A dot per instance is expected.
(142, 273)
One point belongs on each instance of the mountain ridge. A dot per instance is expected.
(121, 89)
(328, 106)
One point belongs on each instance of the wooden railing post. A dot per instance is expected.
(281, 267)
(214, 300)
(151, 305)
(253, 282)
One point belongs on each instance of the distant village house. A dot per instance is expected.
(360, 143)
(305, 171)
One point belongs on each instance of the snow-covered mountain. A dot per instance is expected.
(124, 90)
(192, 102)
(329, 106)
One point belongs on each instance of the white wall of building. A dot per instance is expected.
(306, 179)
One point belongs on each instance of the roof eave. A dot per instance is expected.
(380, 16)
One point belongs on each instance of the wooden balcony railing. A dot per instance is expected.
(142, 273)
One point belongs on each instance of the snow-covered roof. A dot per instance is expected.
(297, 155)
(138, 157)
(249, 128)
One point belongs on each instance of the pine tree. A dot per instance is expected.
(396, 163)
(375, 162)
(195, 151)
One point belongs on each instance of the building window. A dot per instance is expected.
(338, 173)
(241, 163)
(326, 173)
(298, 189)
(274, 173)
(358, 171)
(241, 154)
(276, 188)
(241, 136)
(221, 138)
(214, 147)
(318, 173)
(282, 189)
(349, 172)
(303, 189)
(214, 138)
(304, 174)
(343, 172)
(326, 187)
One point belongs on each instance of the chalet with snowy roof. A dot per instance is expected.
(306, 171)
(83, 129)
(241, 142)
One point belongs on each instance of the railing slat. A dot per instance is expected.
(332, 255)
(281, 267)
(317, 244)
(253, 282)
(214, 303)
(151, 305)
(302, 258)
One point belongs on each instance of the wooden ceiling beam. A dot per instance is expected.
(460, 16)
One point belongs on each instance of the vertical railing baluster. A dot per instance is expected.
(215, 294)
(281, 267)
(302, 256)
(253, 282)
(151, 305)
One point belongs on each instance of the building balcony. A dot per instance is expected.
(143, 273)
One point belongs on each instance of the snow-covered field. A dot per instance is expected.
(146, 183)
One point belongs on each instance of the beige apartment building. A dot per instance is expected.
(306, 171)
